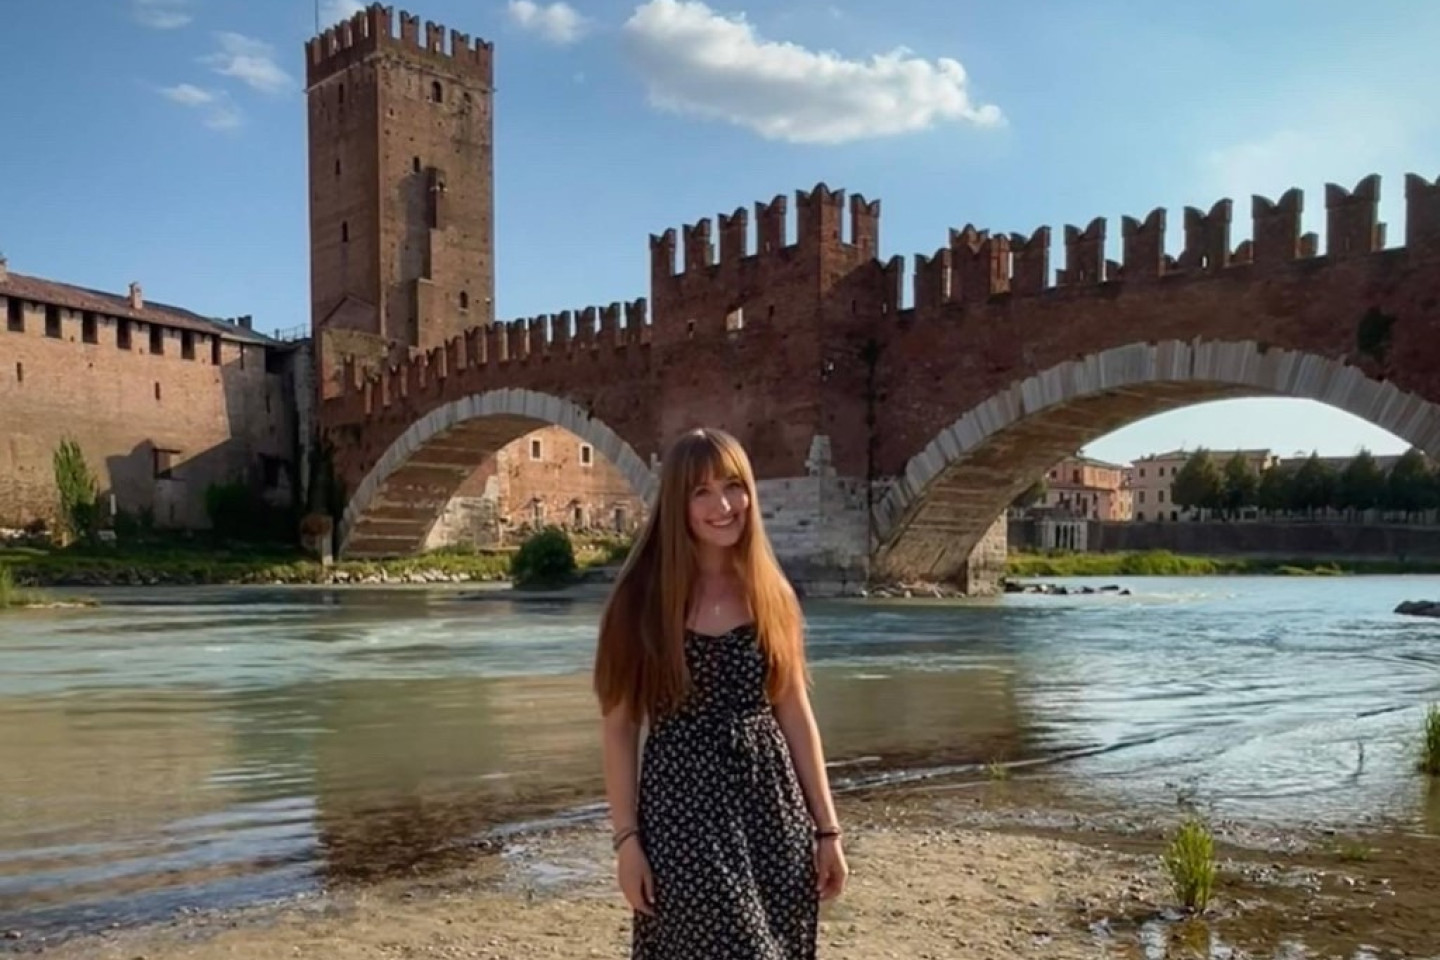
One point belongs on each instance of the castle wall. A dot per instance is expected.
(514, 492)
(156, 429)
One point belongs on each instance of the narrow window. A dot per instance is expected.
(157, 340)
(52, 321)
(337, 166)
(215, 351)
(344, 231)
(415, 164)
(535, 450)
(437, 92)
(587, 455)
(464, 300)
(89, 328)
(578, 517)
(157, 390)
(122, 334)
(187, 345)
(15, 315)
(19, 372)
(342, 93)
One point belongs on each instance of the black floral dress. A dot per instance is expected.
(723, 819)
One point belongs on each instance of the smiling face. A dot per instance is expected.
(718, 509)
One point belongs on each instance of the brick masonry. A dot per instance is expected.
(948, 407)
(547, 478)
(157, 429)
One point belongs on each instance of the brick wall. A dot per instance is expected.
(123, 405)
(515, 491)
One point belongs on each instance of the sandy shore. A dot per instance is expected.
(933, 877)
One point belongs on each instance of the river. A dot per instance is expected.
(213, 747)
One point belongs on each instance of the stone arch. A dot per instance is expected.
(406, 489)
(937, 511)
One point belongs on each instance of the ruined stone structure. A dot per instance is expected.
(163, 402)
(889, 439)
(547, 478)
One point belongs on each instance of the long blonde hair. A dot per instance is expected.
(640, 658)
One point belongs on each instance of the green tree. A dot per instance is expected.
(1241, 484)
(1361, 485)
(1199, 485)
(1411, 484)
(1031, 495)
(1313, 486)
(1274, 493)
(78, 490)
(545, 560)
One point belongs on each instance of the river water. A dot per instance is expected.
(212, 747)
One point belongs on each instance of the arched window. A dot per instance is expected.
(437, 92)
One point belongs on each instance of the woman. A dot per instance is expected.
(731, 839)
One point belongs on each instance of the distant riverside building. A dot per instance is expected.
(1086, 488)
(1150, 480)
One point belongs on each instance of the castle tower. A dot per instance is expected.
(401, 188)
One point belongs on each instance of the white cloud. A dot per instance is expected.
(699, 62)
(250, 61)
(333, 11)
(216, 110)
(558, 22)
(162, 14)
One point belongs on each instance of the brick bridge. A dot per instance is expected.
(888, 440)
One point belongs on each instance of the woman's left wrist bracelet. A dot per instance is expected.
(831, 831)
(619, 839)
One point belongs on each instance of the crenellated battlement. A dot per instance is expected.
(373, 30)
(977, 266)
(820, 226)
(482, 352)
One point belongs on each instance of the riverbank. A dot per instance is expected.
(999, 870)
(198, 565)
(1161, 563)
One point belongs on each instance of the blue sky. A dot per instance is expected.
(164, 140)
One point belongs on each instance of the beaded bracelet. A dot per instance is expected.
(622, 836)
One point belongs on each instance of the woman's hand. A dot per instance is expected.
(830, 868)
(636, 881)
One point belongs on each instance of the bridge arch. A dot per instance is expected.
(393, 509)
(934, 515)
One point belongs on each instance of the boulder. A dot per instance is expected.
(1419, 608)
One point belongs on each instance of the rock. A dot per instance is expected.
(1419, 608)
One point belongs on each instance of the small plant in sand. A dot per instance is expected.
(1430, 747)
(1189, 862)
(996, 770)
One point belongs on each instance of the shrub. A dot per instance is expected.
(1430, 746)
(1190, 864)
(79, 513)
(547, 559)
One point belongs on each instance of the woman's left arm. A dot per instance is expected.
(797, 722)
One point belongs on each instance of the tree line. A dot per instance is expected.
(1411, 486)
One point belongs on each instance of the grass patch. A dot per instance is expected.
(1189, 863)
(1430, 744)
(1163, 563)
(12, 596)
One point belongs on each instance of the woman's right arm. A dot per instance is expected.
(620, 737)
(620, 743)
